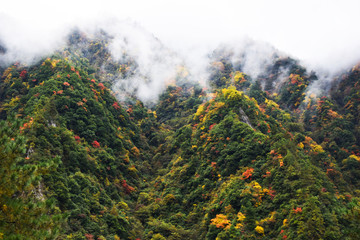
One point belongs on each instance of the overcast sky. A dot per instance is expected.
(324, 33)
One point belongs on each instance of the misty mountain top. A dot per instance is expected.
(137, 63)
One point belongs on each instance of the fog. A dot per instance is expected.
(163, 35)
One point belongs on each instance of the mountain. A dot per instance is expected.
(84, 155)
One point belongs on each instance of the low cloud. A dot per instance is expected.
(156, 65)
(187, 35)
(28, 43)
(253, 57)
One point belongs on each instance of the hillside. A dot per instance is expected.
(83, 156)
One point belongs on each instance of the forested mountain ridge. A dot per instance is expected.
(243, 159)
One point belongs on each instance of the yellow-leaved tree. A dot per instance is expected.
(221, 221)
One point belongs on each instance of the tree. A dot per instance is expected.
(95, 144)
(257, 93)
(24, 212)
(311, 225)
(221, 221)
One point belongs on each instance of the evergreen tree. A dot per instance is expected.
(24, 211)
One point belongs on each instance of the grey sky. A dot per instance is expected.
(321, 33)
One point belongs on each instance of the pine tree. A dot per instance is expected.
(24, 211)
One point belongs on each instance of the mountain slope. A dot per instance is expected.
(75, 119)
(250, 158)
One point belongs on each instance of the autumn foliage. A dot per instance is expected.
(101, 86)
(23, 74)
(116, 105)
(221, 221)
(127, 189)
(95, 144)
(77, 138)
(247, 174)
(297, 210)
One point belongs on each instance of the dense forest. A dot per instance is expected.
(244, 158)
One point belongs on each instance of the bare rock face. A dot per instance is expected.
(245, 118)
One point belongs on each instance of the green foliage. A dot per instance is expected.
(235, 162)
(25, 213)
